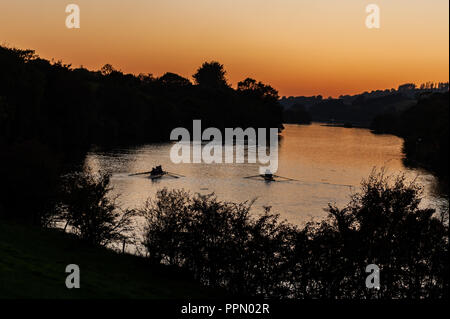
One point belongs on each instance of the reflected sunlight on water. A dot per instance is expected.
(328, 162)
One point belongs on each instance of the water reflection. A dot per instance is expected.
(327, 162)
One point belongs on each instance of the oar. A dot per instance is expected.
(143, 173)
(253, 176)
(289, 179)
(175, 174)
(344, 185)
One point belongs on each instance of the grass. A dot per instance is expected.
(33, 262)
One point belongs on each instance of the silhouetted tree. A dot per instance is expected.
(107, 69)
(174, 80)
(211, 75)
(259, 89)
(86, 206)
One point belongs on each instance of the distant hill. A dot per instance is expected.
(359, 109)
(306, 101)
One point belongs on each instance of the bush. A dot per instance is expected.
(90, 212)
(223, 245)
(381, 225)
(218, 241)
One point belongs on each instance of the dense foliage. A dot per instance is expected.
(224, 245)
(51, 114)
(86, 206)
(297, 114)
(73, 107)
(424, 128)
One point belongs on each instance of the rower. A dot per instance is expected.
(268, 176)
(157, 170)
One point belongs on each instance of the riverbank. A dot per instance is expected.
(33, 262)
(424, 129)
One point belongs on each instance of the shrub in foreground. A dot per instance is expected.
(86, 207)
(224, 245)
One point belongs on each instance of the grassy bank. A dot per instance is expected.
(33, 262)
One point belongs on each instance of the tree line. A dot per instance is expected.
(52, 113)
(69, 107)
(356, 110)
(424, 128)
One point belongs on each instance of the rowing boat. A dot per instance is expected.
(268, 177)
(157, 173)
(157, 176)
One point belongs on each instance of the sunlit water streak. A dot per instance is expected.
(327, 162)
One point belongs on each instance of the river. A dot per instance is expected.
(327, 163)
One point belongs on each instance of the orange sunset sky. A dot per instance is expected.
(300, 47)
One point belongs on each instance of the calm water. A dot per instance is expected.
(328, 162)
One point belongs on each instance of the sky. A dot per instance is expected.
(300, 47)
